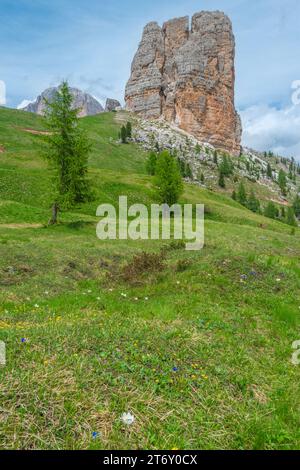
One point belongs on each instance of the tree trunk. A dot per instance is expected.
(53, 220)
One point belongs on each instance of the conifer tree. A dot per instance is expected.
(269, 171)
(168, 181)
(67, 149)
(282, 181)
(216, 158)
(242, 195)
(124, 135)
(129, 130)
(253, 203)
(296, 205)
(222, 183)
(271, 210)
(151, 163)
(290, 217)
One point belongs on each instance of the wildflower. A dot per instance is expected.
(123, 295)
(278, 280)
(127, 419)
(244, 277)
(46, 292)
(89, 291)
(36, 306)
(98, 298)
(23, 340)
(95, 435)
(146, 298)
(175, 369)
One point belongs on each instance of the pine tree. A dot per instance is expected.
(296, 205)
(129, 130)
(188, 171)
(168, 181)
(290, 217)
(67, 149)
(269, 171)
(182, 167)
(202, 178)
(226, 166)
(151, 163)
(242, 195)
(222, 183)
(216, 162)
(282, 181)
(271, 210)
(253, 203)
(198, 149)
(124, 135)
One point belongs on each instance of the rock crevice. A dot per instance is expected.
(186, 75)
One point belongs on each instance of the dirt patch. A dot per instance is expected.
(20, 226)
(2, 149)
(143, 264)
(35, 132)
(282, 202)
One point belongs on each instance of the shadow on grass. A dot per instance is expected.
(79, 224)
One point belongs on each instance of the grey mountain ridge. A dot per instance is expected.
(86, 103)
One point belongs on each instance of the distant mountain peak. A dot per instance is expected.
(86, 103)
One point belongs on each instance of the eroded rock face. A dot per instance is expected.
(87, 105)
(187, 76)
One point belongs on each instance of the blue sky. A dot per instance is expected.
(92, 43)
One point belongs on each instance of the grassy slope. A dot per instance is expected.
(92, 354)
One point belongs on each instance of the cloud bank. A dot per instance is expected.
(2, 93)
(268, 128)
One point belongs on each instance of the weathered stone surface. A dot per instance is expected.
(187, 76)
(87, 105)
(112, 105)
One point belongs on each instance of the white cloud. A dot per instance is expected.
(269, 128)
(2, 93)
(24, 103)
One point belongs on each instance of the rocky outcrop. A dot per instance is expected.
(112, 105)
(187, 76)
(87, 105)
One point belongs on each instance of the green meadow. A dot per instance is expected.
(197, 346)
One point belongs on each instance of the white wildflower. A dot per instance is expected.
(127, 419)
